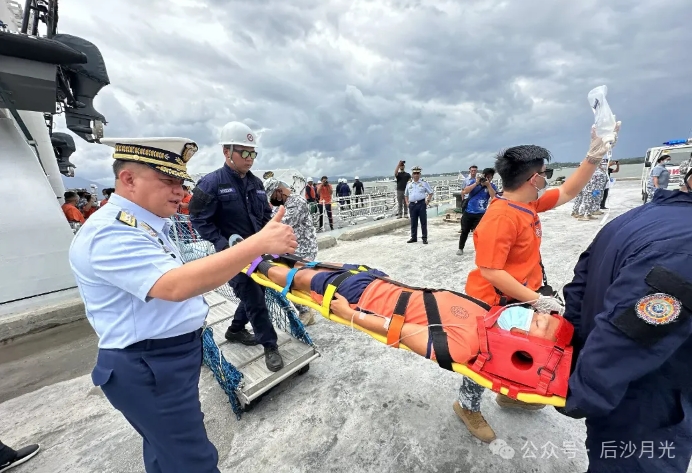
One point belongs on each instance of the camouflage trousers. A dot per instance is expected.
(582, 202)
(598, 184)
(470, 394)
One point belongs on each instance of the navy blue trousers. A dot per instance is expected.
(418, 210)
(253, 309)
(649, 432)
(157, 391)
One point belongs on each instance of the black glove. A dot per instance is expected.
(575, 414)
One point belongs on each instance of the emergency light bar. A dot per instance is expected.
(675, 142)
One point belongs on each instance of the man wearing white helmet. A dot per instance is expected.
(232, 200)
(343, 192)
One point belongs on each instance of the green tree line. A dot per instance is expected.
(639, 160)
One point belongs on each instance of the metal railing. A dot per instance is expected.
(379, 203)
(346, 211)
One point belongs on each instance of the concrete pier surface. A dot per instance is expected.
(362, 407)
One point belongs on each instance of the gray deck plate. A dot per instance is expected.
(249, 360)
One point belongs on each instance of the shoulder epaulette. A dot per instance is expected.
(126, 218)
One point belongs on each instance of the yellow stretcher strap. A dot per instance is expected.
(332, 287)
(302, 298)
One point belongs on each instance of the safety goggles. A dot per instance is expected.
(245, 154)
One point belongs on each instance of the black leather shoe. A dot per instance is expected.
(244, 337)
(273, 359)
(425, 241)
(412, 240)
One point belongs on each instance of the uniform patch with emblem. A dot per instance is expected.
(126, 218)
(658, 309)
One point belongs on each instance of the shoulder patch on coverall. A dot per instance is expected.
(656, 315)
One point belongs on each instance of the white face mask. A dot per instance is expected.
(542, 191)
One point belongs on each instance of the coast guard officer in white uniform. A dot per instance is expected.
(146, 306)
(417, 195)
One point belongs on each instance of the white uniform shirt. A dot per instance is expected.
(116, 264)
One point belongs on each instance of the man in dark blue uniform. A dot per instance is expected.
(232, 200)
(631, 306)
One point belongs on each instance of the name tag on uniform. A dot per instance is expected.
(227, 190)
(259, 191)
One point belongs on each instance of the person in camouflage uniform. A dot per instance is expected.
(581, 207)
(685, 167)
(599, 179)
(588, 201)
(299, 218)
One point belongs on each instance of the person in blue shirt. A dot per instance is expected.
(479, 192)
(232, 200)
(631, 306)
(146, 306)
(417, 195)
(464, 183)
(659, 176)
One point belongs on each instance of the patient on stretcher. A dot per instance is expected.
(369, 300)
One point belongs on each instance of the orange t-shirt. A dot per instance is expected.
(186, 200)
(509, 237)
(457, 314)
(72, 213)
(324, 193)
(88, 213)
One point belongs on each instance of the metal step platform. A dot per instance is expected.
(249, 360)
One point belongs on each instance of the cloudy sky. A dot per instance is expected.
(352, 86)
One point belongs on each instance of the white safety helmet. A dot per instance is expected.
(310, 180)
(237, 133)
(356, 178)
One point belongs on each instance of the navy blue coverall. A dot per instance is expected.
(224, 204)
(631, 306)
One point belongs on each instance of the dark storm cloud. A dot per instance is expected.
(351, 87)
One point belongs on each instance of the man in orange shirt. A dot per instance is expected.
(106, 195)
(70, 209)
(90, 206)
(324, 196)
(185, 203)
(507, 243)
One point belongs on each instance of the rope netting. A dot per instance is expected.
(283, 314)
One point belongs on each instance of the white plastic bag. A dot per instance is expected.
(604, 118)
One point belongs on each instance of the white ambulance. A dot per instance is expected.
(678, 150)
